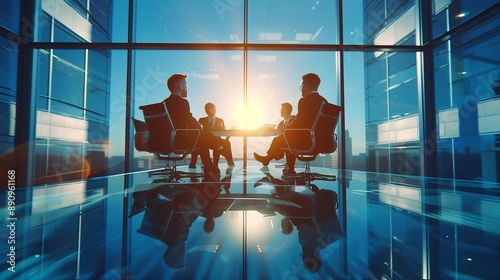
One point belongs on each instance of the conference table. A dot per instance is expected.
(260, 132)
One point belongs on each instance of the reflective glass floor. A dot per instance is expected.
(253, 226)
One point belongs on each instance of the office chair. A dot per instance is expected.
(168, 142)
(141, 135)
(303, 142)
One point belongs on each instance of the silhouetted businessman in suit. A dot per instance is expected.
(212, 122)
(307, 111)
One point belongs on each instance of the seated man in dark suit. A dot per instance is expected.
(211, 122)
(181, 115)
(286, 114)
(307, 110)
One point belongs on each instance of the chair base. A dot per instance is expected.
(172, 173)
(308, 176)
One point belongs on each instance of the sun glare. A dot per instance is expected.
(250, 117)
(258, 226)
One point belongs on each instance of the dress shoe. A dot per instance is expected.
(192, 166)
(262, 159)
(231, 164)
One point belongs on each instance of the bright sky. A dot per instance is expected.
(217, 76)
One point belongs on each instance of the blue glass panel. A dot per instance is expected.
(403, 99)
(442, 88)
(8, 67)
(68, 88)
(377, 107)
(75, 57)
(97, 101)
(9, 17)
(293, 21)
(189, 21)
(450, 14)
(376, 71)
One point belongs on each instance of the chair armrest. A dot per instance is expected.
(299, 140)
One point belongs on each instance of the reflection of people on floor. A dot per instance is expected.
(226, 180)
(169, 212)
(278, 186)
(210, 216)
(315, 219)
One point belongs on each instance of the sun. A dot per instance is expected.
(251, 117)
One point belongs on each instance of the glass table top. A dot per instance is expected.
(252, 225)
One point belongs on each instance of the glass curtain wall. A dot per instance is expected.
(90, 72)
(242, 55)
(72, 87)
(467, 90)
(9, 40)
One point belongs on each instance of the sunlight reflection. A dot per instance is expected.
(258, 226)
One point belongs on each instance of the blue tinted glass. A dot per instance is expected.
(377, 107)
(466, 100)
(293, 21)
(376, 71)
(189, 21)
(68, 88)
(355, 110)
(76, 22)
(9, 17)
(97, 101)
(453, 13)
(66, 109)
(442, 87)
(8, 67)
(99, 63)
(403, 99)
(74, 57)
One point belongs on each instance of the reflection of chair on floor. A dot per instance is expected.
(302, 142)
(166, 141)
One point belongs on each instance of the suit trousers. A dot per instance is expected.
(208, 141)
(276, 151)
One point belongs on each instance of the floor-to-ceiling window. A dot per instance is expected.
(466, 87)
(392, 64)
(246, 57)
(8, 74)
(72, 90)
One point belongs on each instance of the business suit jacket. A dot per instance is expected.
(281, 124)
(307, 111)
(181, 116)
(180, 112)
(219, 123)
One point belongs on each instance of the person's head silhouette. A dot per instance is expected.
(286, 226)
(209, 224)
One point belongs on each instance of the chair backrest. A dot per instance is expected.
(141, 135)
(160, 127)
(324, 127)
